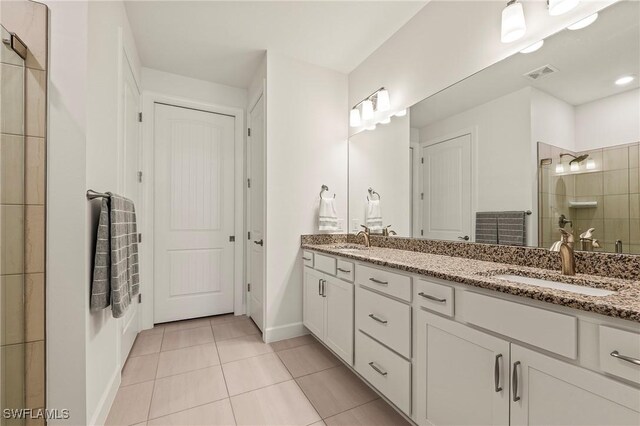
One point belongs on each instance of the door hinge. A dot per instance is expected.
(232, 238)
(140, 117)
(422, 232)
(248, 235)
(422, 195)
(249, 131)
(140, 237)
(139, 297)
(248, 286)
(422, 160)
(248, 183)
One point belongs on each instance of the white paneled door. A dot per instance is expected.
(194, 213)
(446, 187)
(256, 214)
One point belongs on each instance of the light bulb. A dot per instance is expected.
(624, 80)
(559, 168)
(583, 23)
(354, 118)
(591, 164)
(513, 25)
(367, 110)
(383, 103)
(401, 113)
(558, 7)
(574, 167)
(535, 46)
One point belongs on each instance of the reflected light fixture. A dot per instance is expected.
(401, 113)
(559, 168)
(535, 46)
(558, 7)
(624, 80)
(513, 24)
(591, 164)
(382, 100)
(583, 23)
(367, 110)
(354, 118)
(574, 167)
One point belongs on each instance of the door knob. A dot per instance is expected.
(260, 243)
(466, 238)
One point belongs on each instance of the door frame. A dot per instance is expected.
(261, 94)
(473, 133)
(149, 99)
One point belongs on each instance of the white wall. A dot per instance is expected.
(306, 148)
(380, 159)
(447, 41)
(609, 121)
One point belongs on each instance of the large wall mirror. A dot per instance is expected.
(539, 141)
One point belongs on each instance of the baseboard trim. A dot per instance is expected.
(287, 331)
(104, 406)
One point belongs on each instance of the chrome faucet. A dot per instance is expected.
(367, 235)
(566, 253)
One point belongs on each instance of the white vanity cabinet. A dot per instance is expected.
(328, 308)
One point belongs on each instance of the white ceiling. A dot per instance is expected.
(224, 41)
(588, 63)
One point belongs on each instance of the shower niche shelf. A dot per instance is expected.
(583, 204)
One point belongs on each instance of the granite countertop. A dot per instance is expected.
(625, 304)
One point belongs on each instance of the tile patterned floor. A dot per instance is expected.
(217, 371)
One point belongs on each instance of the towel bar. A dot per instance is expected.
(92, 195)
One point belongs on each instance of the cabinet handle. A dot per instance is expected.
(306, 258)
(379, 282)
(381, 321)
(320, 287)
(435, 299)
(346, 271)
(616, 354)
(378, 369)
(514, 380)
(496, 373)
(324, 288)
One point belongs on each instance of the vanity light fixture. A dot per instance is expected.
(401, 113)
(574, 167)
(591, 164)
(371, 127)
(513, 24)
(535, 46)
(354, 118)
(383, 103)
(559, 168)
(386, 120)
(583, 23)
(367, 110)
(624, 80)
(559, 7)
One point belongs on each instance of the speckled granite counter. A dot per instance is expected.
(624, 304)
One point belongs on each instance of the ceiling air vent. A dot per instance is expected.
(541, 72)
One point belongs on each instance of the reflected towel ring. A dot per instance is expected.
(372, 193)
(325, 188)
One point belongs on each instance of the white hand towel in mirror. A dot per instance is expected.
(374, 216)
(327, 215)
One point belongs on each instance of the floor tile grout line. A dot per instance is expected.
(353, 408)
(308, 400)
(224, 377)
(190, 408)
(153, 391)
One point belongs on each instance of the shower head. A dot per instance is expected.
(578, 159)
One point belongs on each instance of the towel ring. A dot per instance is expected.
(371, 194)
(325, 188)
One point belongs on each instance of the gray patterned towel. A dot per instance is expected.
(487, 227)
(100, 288)
(512, 228)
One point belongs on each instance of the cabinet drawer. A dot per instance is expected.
(345, 270)
(384, 319)
(387, 282)
(325, 264)
(625, 347)
(548, 330)
(435, 297)
(307, 258)
(385, 370)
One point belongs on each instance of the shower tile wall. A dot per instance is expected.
(614, 185)
(22, 209)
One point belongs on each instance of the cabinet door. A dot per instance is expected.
(547, 391)
(313, 302)
(462, 374)
(338, 324)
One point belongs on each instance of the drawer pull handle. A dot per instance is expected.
(306, 258)
(435, 299)
(514, 381)
(378, 369)
(346, 271)
(324, 288)
(381, 321)
(496, 373)
(616, 354)
(320, 287)
(378, 281)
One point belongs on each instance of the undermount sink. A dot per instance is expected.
(572, 288)
(349, 247)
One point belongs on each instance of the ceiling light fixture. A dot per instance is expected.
(383, 103)
(354, 118)
(378, 101)
(367, 110)
(583, 23)
(559, 7)
(624, 80)
(535, 46)
(513, 24)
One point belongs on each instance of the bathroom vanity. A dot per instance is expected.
(447, 341)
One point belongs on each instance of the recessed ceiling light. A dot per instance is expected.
(584, 22)
(535, 46)
(625, 80)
